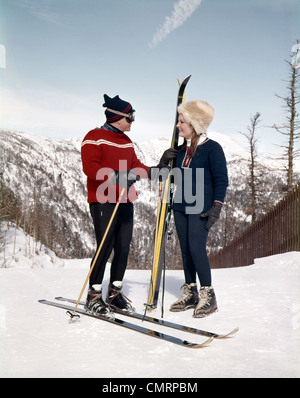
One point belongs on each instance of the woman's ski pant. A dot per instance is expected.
(193, 237)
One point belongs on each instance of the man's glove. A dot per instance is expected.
(212, 215)
(124, 179)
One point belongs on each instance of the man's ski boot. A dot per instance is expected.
(189, 298)
(96, 305)
(117, 301)
(207, 303)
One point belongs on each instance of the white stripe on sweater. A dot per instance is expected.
(105, 142)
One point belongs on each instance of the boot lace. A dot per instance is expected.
(205, 299)
(186, 295)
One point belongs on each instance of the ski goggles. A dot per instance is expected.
(130, 117)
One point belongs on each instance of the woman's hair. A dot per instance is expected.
(194, 144)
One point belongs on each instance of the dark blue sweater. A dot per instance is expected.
(210, 183)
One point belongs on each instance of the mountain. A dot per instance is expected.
(43, 191)
(46, 186)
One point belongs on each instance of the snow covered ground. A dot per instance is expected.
(37, 341)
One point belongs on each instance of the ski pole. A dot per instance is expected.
(98, 252)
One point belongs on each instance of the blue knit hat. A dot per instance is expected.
(121, 108)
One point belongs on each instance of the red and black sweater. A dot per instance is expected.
(103, 151)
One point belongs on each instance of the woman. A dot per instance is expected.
(198, 152)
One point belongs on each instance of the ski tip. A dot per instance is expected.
(202, 345)
(225, 336)
(187, 79)
(208, 341)
(234, 331)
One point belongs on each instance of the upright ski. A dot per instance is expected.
(163, 216)
(131, 326)
(163, 322)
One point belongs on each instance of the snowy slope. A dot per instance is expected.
(45, 178)
(37, 341)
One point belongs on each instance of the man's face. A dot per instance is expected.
(124, 125)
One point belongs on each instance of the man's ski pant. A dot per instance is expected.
(117, 239)
(193, 237)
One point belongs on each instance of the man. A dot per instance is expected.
(110, 163)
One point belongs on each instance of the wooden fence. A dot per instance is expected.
(276, 232)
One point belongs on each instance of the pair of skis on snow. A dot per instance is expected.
(165, 198)
(162, 221)
(138, 328)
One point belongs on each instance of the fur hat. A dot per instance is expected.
(198, 113)
(116, 108)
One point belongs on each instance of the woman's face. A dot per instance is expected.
(185, 129)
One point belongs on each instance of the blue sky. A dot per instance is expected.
(58, 58)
